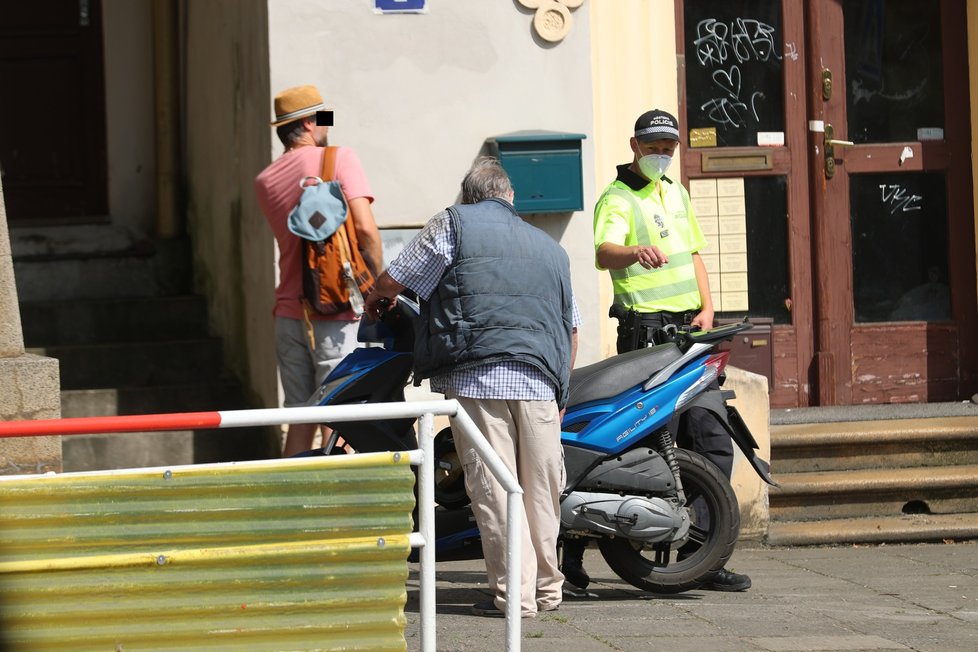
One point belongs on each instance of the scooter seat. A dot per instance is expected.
(610, 377)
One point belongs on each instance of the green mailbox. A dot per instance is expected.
(545, 168)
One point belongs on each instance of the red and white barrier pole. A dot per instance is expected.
(91, 425)
(223, 419)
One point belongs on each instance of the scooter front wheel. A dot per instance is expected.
(715, 525)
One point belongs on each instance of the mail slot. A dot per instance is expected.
(545, 169)
(753, 350)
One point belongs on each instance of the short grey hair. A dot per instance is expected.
(486, 179)
(291, 133)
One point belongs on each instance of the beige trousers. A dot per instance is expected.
(526, 436)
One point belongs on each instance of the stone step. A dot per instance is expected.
(874, 492)
(163, 448)
(875, 529)
(132, 450)
(874, 412)
(130, 339)
(904, 474)
(158, 268)
(137, 363)
(187, 397)
(853, 445)
(96, 321)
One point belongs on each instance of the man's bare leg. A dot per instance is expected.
(302, 435)
(300, 438)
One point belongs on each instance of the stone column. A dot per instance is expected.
(30, 385)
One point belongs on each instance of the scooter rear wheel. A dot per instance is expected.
(715, 525)
(449, 476)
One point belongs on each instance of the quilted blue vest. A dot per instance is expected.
(507, 296)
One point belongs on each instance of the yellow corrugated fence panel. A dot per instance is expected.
(301, 554)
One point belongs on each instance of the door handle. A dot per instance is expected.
(828, 145)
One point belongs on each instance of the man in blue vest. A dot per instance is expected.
(498, 334)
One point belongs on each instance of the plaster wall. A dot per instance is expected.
(227, 144)
(128, 38)
(633, 56)
(417, 95)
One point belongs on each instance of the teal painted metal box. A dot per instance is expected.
(545, 169)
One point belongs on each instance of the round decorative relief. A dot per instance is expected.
(532, 4)
(552, 20)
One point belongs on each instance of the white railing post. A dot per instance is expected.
(426, 527)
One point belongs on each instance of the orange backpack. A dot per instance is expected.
(334, 275)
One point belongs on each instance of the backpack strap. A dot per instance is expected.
(327, 174)
(329, 164)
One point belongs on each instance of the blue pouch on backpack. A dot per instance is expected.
(320, 211)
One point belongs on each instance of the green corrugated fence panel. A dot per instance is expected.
(299, 554)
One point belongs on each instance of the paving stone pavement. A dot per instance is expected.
(921, 597)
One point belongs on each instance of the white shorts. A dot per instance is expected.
(303, 370)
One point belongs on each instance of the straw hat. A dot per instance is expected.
(295, 103)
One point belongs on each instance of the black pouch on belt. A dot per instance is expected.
(633, 332)
(628, 331)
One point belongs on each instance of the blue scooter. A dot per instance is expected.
(665, 519)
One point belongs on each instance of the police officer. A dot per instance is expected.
(646, 236)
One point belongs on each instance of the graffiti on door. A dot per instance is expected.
(733, 74)
(725, 48)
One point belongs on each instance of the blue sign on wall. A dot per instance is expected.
(389, 6)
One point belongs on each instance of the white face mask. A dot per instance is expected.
(653, 166)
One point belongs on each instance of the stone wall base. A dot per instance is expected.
(30, 388)
(753, 404)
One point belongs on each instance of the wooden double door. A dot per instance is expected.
(831, 140)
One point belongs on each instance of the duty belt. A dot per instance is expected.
(637, 330)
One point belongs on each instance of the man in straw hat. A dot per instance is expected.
(301, 368)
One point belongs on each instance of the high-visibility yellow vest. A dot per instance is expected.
(658, 214)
